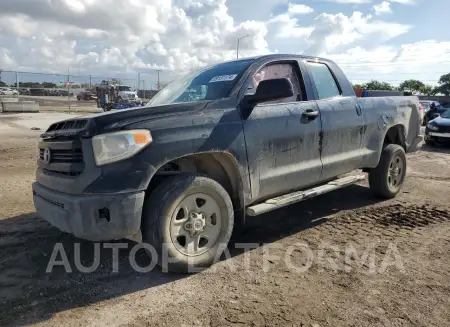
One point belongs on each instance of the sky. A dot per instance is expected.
(390, 40)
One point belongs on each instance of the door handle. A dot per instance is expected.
(311, 113)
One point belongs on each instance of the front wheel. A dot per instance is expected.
(188, 219)
(386, 180)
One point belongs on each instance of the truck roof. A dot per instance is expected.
(281, 56)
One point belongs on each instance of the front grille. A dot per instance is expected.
(68, 156)
(61, 157)
(69, 124)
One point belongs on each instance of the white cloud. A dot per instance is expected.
(405, 2)
(123, 34)
(299, 9)
(382, 8)
(388, 63)
(351, 1)
(108, 37)
(340, 31)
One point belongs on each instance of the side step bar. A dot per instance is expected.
(288, 199)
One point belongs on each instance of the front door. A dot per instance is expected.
(282, 142)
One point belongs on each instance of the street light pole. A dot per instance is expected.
(238, 42)
(68, 86)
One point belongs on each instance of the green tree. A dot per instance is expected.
(412, 85)
(444, 84)
(3, 83)
(429, 90)
(377, 85)
(358, 86)
(48, 85)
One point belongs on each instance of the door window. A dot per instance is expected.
(277, 71)
(323, 79)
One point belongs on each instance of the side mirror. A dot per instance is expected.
(436, 115)
(269, 90)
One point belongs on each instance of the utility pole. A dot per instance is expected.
(68, 86)
(17, 85)
(158, 86)
(139, 81)
(238, 42)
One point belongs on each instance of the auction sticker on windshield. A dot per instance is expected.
(223, 78)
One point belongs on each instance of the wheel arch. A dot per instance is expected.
(396, 134)
(221, 166)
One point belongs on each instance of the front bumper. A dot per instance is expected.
(437, 136)
(96, 217)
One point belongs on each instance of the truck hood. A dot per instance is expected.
(90, 125)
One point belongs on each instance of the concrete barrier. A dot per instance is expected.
(2, 99)
(23, 106)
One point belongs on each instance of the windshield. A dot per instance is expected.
(124, 88)
(446, 114)
(212, 83)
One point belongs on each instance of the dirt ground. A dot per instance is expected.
(399, 274)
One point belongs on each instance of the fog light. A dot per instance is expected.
(104, 214)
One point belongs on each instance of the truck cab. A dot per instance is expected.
(126, 94)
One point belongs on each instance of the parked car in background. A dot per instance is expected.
(427, 104)
(430, 114)
(438, 129)
(86, 96)
(24, 91)
(7, 91)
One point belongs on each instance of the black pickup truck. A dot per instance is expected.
(238, 138)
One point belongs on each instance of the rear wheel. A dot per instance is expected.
(188, 219)
(386, 180)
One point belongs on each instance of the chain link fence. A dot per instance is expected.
(75, 92)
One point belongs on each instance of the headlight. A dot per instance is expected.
(433, 127)
(121, 145)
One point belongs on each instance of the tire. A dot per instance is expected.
(386, 180)
(166, 217)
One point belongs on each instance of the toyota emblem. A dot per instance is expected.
(47, 155)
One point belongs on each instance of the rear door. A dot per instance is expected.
(282, 141)
(342, 123)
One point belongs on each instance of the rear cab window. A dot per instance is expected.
(326, 85)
